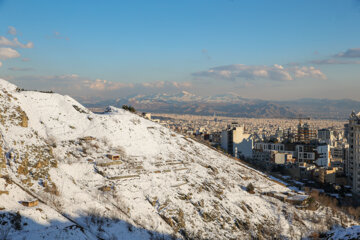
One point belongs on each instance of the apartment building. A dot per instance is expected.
(354, 151)
(233, 140)
(326, 136)
(305, 133)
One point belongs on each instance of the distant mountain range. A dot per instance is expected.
(234, 106)
(323, 108)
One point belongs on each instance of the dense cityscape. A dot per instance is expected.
(312, 154)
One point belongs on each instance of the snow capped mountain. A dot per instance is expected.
(185, 96)
(233, 105)
(186, 103)
(67, 173)
(178, 97)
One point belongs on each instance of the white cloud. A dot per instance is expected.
(334, 61)
(181, 84)
(246, 72)
(6, 53)
(310, 72)
(14, 43)
(7, 50)
(157, 84)
(5, 42)
(67, 77)
(12, 30)
(350, 53)
(165, 84)
(104, 85)
(98, 84)
(78, 86)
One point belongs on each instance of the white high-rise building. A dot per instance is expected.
(236, 142)
(323, 158)
(354, 151)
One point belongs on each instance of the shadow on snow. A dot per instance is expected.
(15, 226)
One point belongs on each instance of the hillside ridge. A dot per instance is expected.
(119, 176)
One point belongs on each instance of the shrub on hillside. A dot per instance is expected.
(129, 108)
(250, 188)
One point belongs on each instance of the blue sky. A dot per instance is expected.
(258, 49)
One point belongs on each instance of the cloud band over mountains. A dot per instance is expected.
(82, 87)
(248, 72)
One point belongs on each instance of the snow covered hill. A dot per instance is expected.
(61, 157)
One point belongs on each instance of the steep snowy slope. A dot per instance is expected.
(163, 186)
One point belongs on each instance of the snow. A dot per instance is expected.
(298, 183)
(344, 233)
(164, 185)
(299, 197)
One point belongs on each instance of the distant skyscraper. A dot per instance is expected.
(354, 151)
(215, 119)
(305, 133)
(325, 136)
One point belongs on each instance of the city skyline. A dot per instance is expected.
(276, 50)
